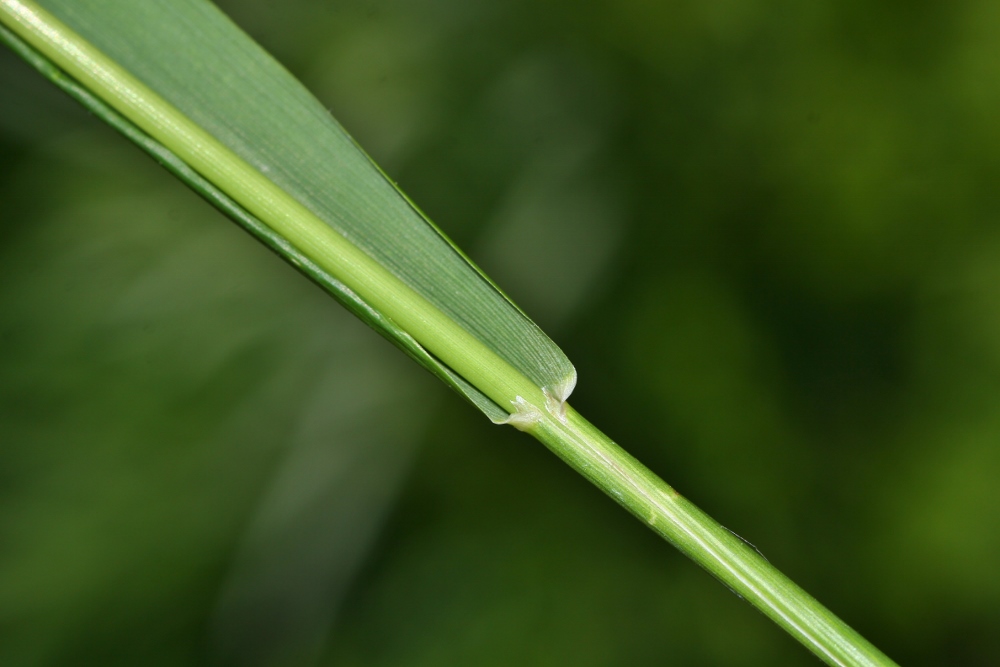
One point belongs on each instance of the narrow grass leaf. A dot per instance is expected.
(222, 87)
(376, 320)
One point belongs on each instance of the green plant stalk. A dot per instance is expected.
(296, 234)
(719, 551)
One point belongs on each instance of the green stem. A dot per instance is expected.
(591, 453)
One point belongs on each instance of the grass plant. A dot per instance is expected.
(186, 85)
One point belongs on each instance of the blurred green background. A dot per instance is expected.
(767, 233)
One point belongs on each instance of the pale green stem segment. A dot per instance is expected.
(567, 433)
(591, 453)
(383, 291)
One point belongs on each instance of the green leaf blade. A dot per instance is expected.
(346, 297)
(220, 79)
